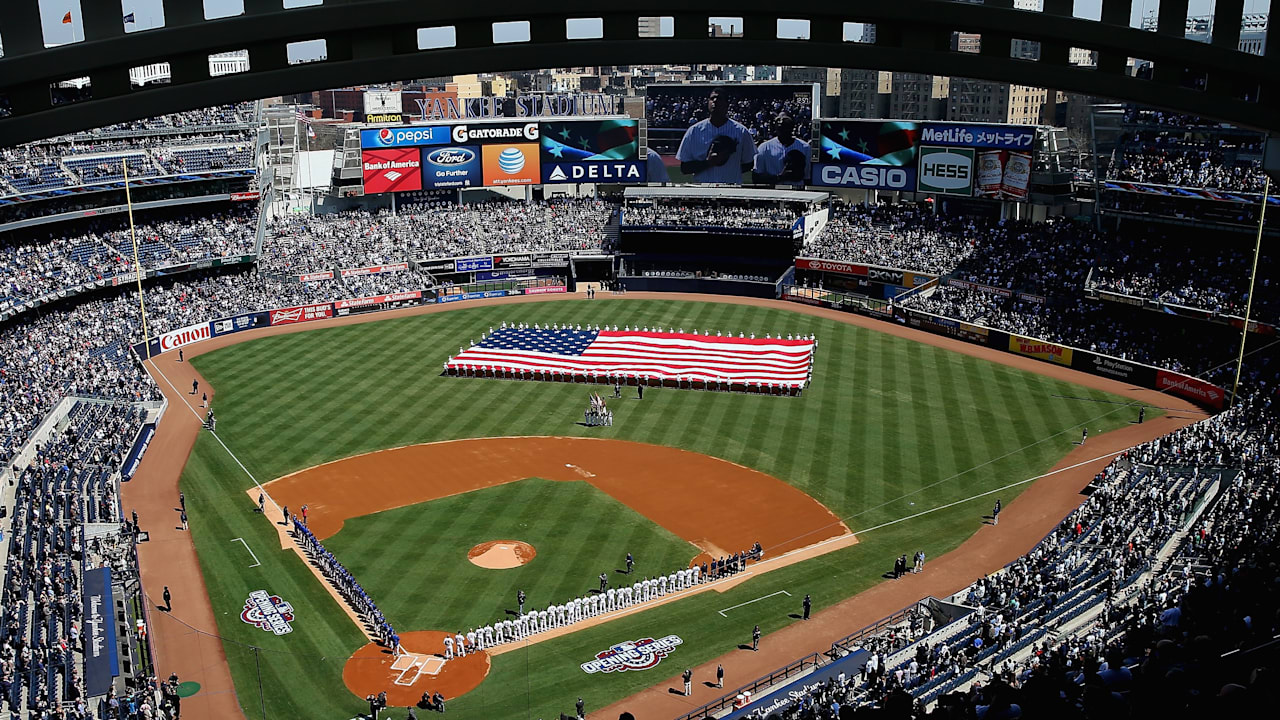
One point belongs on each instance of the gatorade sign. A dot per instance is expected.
(946, 171)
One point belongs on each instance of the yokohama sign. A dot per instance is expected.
(834, 266)
(1193, 389)
(303, 313)
(185, 336)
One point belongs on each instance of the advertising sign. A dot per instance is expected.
(487, 134)
(452, 166)
(375, 269)
(1193, 389)
(511, 165)
(1003, 174)
(392, 170)
(1040, 350)
(101, 657)
(592, 151)
(506, 262)
(868, 154)
(973, 135)
(240, 323)
(377, 302)
(184, 336)
(434, 266)
(410, 136)
(946, 171)
(551, 259)
(382, 101)
(545, 289)
(316, 276)
(473, 264)
(835, 266)
(244, 196)
(797, 692)
(302, 313)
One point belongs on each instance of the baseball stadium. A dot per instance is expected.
(347, 378)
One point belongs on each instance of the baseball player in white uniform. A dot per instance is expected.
(718, 149)
(783, 158)
(448, 647)
(460, 645)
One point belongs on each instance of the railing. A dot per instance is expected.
(796, 667)
(847, 643)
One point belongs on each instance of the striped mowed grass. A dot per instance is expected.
(888, 428)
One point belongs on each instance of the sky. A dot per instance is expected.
(150, 14)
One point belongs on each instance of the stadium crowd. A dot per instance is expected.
(685, 213)
(908, 236)
(360, 238)
(51, 260)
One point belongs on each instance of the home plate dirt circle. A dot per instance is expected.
(501, 554)
(422, 669)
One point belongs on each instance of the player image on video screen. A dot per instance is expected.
(717, 149)
(784, 158)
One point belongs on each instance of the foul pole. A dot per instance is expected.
(137, 265)
(1253, 278)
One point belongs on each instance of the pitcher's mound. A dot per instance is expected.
(373, 669)
(501, 554)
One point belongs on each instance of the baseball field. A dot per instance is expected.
(899, 442)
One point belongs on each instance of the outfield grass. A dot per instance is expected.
(888, 428)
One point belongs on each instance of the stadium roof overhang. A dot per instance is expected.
(377, 40)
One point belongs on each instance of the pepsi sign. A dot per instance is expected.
(407, 136)
(453, 166)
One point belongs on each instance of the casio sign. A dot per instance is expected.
(946, 170)
(865, 176)
(448, 157)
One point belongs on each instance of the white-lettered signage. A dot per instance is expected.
(639, 654)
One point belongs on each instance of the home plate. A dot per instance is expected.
(411, 666)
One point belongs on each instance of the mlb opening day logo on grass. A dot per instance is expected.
(269, 612)
(640, 654)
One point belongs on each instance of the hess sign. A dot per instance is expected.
(946, 171)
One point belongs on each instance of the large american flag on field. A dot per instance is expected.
(644, 354)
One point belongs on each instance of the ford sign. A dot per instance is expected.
(450, 156)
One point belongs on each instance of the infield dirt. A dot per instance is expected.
(185, 642)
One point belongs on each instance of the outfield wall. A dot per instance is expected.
(1198, 391)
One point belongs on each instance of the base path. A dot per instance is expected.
(184, 642)
(750, 507)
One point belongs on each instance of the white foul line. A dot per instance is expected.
(256, 563)
(765, 597)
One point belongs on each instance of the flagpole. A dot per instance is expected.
(137, 264)
(1253, 278)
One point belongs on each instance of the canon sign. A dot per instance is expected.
(185, 336)
(494, 133)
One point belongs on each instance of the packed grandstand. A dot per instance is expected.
(1127, 604)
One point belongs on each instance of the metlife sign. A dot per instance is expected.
(597, 171)
(412, 136)
(1003, 137)
(946, 171)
